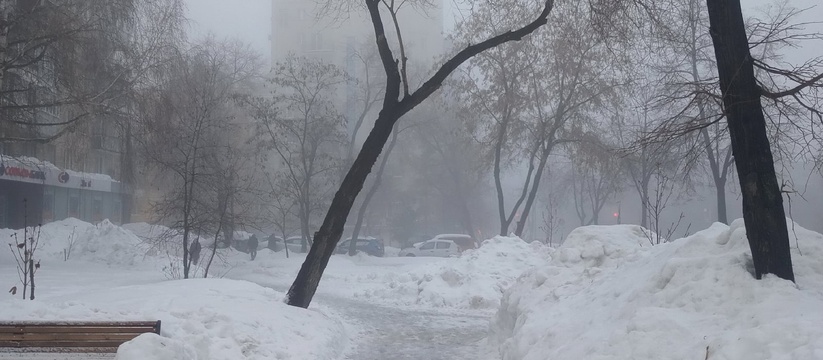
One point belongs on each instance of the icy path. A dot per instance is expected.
(402, 333)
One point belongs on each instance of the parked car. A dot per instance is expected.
(368, 244)
(240, 241)
(295, 244)
(443, 245)
(275, 243)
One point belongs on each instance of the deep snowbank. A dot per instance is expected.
(202, 319)
(477, 279)
(607, 294)
(104, 243)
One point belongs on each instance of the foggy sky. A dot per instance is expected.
(250, 20)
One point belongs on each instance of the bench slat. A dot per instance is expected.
(63, 344)
(67, 329)
(67, 337)
(99, 337)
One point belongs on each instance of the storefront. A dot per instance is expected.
(48, 193)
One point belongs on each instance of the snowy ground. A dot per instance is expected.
(605, 294)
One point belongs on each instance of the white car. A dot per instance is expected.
(433, 247)
(295, 244)
(443, 245)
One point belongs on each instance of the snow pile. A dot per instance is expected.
(202, 319)
(607, 294)
(475, 280)
(153, 346)
(104, 243)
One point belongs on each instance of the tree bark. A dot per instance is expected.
(521, 224)
(763, 212)
(720, 187)
(31, 278)
(361, 213)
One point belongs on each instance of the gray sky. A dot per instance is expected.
(250, 21)
(247, 20)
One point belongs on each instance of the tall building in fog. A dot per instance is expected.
(299, 28)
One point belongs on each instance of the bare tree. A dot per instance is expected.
(24, 251)
(763, 213)
(187, 121)
(281, 209)
(398, 100)
(532, 91)
(304, 129)
(63, 63)
(596, 175)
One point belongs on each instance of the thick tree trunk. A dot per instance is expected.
(521, 224)
(763, 213)
(644, 205)
(720, 187)
(361, 214)
(326, 238)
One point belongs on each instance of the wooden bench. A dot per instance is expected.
(71, 337)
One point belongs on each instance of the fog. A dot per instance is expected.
(534, 137)
(472, 179)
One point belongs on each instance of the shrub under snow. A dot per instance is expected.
(608, 294)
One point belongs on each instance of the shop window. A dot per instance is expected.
(97, 208)
(48, 205)
(74, 206)
(116, 211)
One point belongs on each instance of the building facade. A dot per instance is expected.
(36, 192)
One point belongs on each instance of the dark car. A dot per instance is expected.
(369, 245)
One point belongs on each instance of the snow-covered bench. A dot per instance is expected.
(71, 337)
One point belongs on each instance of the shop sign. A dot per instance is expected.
(17, 171)
(22, 173)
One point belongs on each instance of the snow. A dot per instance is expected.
(608, 294)
(475, 280)
(104, 243)
(204, 318)
(109, 277)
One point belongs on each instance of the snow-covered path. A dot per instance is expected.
(407, 333)
(397, 333)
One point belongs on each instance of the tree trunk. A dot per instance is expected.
(533, 192)
(6, 8)
(304, 225)
(644, 205)
(31, 278)
(326, 238)
(373, 190)
(763, 212)
(720, 187)
(127, 176)
(498, 184)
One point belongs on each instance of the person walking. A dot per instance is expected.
(252, 245)
(194, 252)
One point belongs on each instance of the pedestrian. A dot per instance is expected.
(252, 245)
(194, 252)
